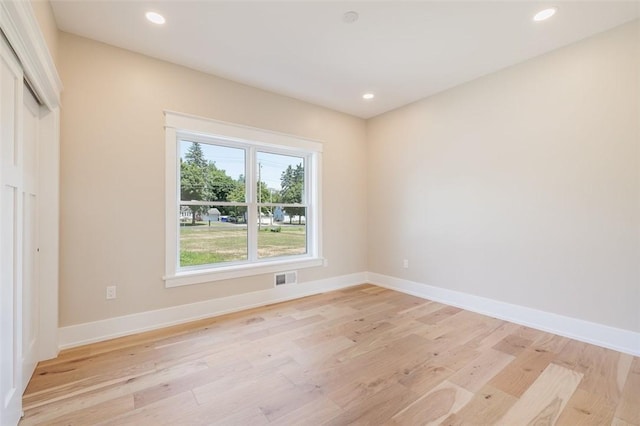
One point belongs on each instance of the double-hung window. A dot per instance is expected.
(240, 201)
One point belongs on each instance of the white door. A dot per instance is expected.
(30, 282)
(11, 181)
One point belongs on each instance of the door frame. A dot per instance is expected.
(21, 28)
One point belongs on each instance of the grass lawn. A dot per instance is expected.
(225, 242)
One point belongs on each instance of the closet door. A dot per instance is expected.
(30, 277)
(11, 235)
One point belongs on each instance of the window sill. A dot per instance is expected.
(238, 271)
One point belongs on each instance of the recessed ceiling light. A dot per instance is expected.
(350, 17)
(156, 18)
(545, 14)
(368, 96)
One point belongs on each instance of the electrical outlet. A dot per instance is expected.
(111, 292)
(405, 263)
(325, 262)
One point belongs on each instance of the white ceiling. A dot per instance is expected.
(401, 51)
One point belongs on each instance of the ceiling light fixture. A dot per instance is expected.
(368, 96)
(156, 18)
(545, 14)
(350, 17)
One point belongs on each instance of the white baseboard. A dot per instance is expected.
(91, 332)
(585, 331)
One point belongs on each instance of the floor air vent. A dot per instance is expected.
(286, 278)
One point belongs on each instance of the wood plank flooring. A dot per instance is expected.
(364, 355)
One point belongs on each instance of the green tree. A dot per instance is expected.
(195, 156)
(264, 195)
(218, 185)
(238, 192)
(237, 195)
(292, 183)
(192, 178)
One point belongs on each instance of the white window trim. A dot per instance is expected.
(179, 123)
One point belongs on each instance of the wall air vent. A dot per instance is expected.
(290, 277)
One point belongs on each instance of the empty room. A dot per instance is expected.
(319, 212)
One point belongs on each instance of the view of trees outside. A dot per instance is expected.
(292, 184)
(215, 233)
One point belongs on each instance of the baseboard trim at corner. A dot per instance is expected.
(97, 331)
(585, 331)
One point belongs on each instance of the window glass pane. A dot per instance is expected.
(212, 234)
(282, 231)
(281, 178)
(211, 172)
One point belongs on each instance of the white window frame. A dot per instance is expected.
(180, 126)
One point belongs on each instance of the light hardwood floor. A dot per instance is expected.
(363, 355)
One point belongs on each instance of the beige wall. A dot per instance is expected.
(112, 183)
(522, 186)
(47, 22)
